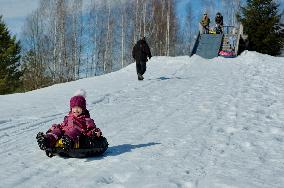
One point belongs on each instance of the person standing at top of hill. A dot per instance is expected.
(219, 23)
(204, 24)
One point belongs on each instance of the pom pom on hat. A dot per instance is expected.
(81, 92)
(79, 99)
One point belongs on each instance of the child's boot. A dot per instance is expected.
(41, 140)
(45, 140)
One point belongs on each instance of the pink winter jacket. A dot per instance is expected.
(74, 127)
(83, 123)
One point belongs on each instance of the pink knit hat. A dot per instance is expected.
(79, 99)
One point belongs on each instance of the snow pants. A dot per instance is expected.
(140, 67)
(203, 30)
(56, 132)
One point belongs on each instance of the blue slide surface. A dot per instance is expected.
(208, 45)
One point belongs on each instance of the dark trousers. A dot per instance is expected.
(140, 67)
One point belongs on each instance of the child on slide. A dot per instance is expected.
(75, 124)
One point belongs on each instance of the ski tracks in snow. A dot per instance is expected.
(242, 120)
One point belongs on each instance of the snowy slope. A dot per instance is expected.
(191, 123)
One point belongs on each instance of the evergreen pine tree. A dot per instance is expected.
(9, 61)
(261, 22)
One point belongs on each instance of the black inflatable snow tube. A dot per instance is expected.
(86, 149)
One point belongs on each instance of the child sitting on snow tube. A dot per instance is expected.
(75, 125)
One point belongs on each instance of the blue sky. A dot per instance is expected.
(15, 11)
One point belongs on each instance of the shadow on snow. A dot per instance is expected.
(120, 149)
(162, 78)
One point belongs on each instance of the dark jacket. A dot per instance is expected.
(141, 51)
(219, 20)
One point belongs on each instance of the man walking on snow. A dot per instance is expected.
(140, 53)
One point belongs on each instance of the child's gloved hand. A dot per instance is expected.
(95, 134)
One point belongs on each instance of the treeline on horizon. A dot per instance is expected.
(62, 41)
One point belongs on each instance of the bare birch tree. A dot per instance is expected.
(122, 36)
(108, 42)
(93, 30)
(232, 7)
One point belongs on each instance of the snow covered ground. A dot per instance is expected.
(192, 123)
